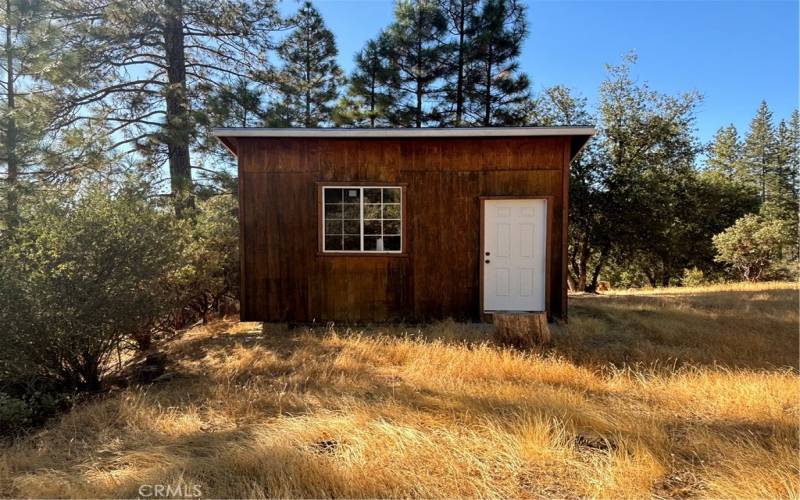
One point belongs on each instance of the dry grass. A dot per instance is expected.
(681, 394)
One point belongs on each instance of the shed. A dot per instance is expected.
(374, 225)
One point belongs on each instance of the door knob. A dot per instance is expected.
(487, 254)
(487, 261)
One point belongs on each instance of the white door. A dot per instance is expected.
(515, 235)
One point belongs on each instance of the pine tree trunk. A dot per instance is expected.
(178, 120)
(418, 121)
(372, 85)
(487, 105)
(460, 82)
(307, 120)
(12, 209)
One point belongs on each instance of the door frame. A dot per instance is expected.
(486, 316)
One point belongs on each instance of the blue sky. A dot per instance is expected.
(735, 53)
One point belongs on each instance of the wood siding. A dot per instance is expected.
(286, 278)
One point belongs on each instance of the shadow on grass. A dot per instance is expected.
(277, 462)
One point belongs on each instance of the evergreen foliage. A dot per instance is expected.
(461, 15)
(369, 100)
(759, 152)
(310, 78)
(418, 53)
(151, 65)
(495, 90)
(725, 153)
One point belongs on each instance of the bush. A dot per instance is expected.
(211, 256)
(31, 407)
(757, 247)
(81, 277)
(15, 414)
(694, 277)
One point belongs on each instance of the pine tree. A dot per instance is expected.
(495, 90)
(725, 153)
(460, 14)
(31, 34)
(368, 101)
(235, 104)
(782, 182)
(310, 78)
(152, 64)
(790, 152)
(759, 151)
(418, 53)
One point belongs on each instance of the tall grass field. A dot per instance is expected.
(680, 392)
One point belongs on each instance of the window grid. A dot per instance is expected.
(397, 238)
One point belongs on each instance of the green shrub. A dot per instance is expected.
(694, 277)
(211, 255)
(757, 247)
(80, 279)
(15, 414)
(30, 407)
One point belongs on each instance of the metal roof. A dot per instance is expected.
(365, 133)
(579, 135)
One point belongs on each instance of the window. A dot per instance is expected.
(362, 219)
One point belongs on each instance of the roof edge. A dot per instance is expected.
(404, 132)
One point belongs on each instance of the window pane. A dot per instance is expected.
(391, 195)
(391, 211)
(352, 211)
(352, 227)
(333, 227)
(371, 243)
(372, 211)
(333, 195)
(352, 195)
(352, 243)
(391, 227)
(362, 219)
(333, 243)
(333, 211)
(372, 227)
(372, 196)
(391, 243)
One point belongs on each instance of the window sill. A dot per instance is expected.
(402, 255)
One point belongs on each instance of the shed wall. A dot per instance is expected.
(286, 278)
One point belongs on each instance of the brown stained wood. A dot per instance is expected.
(286, 278)
(522, 330)
(568, 148)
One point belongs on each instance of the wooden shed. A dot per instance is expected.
(372, 225)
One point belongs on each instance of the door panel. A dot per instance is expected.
(515, 235)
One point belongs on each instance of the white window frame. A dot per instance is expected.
(361, 189)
